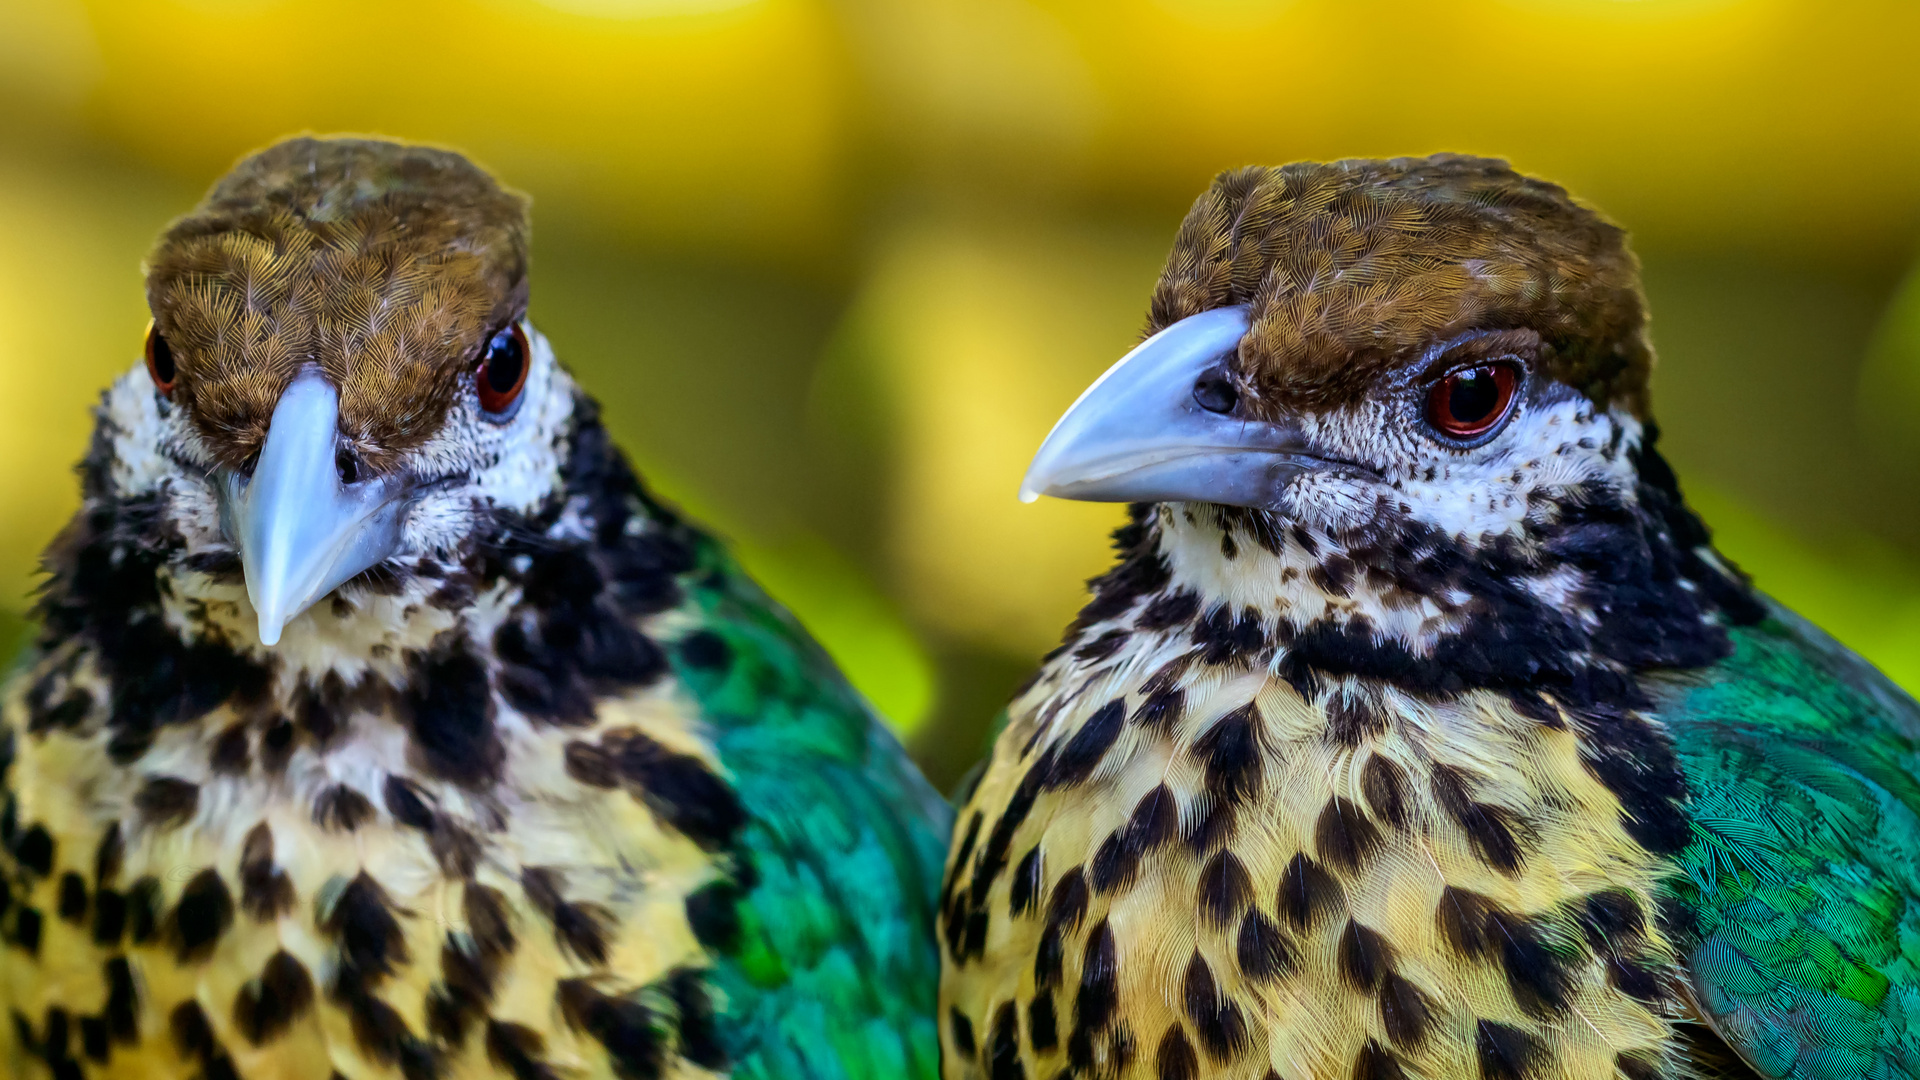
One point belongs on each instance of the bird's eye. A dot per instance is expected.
(160, 366)
(503, 370)
(1473, 401)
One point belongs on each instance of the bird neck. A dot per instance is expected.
(1598, 582)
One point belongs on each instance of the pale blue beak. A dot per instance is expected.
(1141, 432)
(301, 530)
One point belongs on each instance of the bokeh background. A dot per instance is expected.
(834, 266)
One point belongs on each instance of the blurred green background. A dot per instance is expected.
(834, 266)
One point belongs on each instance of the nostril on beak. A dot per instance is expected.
(1215, 393)
(347, 464)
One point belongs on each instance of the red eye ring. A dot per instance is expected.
(1471, 402)
(502, 371)
(160, 365)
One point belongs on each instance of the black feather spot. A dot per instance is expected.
(487, 922)
(1175, 1059)
(1540, 972)
(993, 857)
(107, 857)
(1496, 835)
(1049, 957)
(1636, 762)
(362, 922)
(1101, 647)
(407, 803)
(962, 1032)
(1344, 837)
(26, 930)
(123, 1007)
(276, 746)
(706, 651)
(1308, 893)
(449, 701)
(73, 898)
(34, 850)
(1263, 952)
(93, 1039)
(143, 909)
(1024, 892)
(1099, 992)
(1365, 957)
(1083, 752)
(1507, 1052)
(167, 801)
(579, 927)
(1003, 1047)
(1068, 904)
(1463, 921)
(341, 808)
(1634, 978)
(109, 917)
(713, 911)
(1612, 919)
(1376, 1062)
(678, 787)
(1230, 751)
(624, 1026)
(192, 1035)
(266, 893)
(1169, 610)
(1384, 785)
(270, 1004)
(1352, 719)
(1404, 1011)
(516, 1049)
(1161, 708)
(1225, 640)
(231, 755)
(1212, 826)
(1217, 1020)
(204, 912)
(1154, 821)
(1042, 1026)
(1225, 887)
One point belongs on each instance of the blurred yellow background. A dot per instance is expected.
(834, 266)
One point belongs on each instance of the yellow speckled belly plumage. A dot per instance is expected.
(241, 902)
(1187, 860)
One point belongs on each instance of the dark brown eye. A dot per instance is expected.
(160, 367)
(1471, 402)
(503, 370)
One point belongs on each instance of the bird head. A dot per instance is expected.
(1388, 399)
(340, 386)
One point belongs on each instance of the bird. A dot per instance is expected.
(381, 723)
(1418, 730)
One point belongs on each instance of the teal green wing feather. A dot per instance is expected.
(829, 967)
(1798, 901)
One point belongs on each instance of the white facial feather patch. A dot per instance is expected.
(1553, 443)
(473, 461)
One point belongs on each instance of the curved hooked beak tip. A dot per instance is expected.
(302, 531)
(1140, 434)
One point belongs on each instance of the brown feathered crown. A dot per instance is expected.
(1355, 267)
(388, 265)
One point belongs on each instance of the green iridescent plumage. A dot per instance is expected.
(833, 971)
(1802, 885)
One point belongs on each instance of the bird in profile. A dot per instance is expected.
(1420, 731)
(381, 724)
